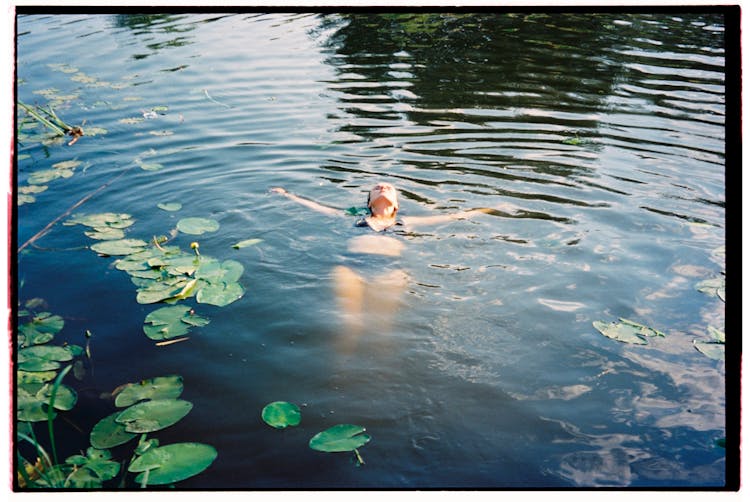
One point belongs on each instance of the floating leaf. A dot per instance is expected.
(197, 226)
(45, 176)
(247, 243)
(714, 286)
(221, 294)
(97, 460)
(119, 247)
(101, 220)
(32, 401)
(68, 164)
(171, 322)
(29, 189)
(714, 350)
(169, 206)
(281, 414)
(108, 433)
(45, 357)
(166, 387)
(150, 416)
(42, 328)
(621, 332)
(172, 463)
(717, 335)
(342, 437)
(105, 234)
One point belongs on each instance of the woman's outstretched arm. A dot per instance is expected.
(415, 221)
(308, 203)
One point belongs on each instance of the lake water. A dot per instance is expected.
(598, 140)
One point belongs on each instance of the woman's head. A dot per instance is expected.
(383, 200)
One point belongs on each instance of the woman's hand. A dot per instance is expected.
(279, 190)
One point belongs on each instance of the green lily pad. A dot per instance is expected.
(45, 176)
(627, 331)
(32, 189)
(32, 401)
(105, 234)
(165, 387)
(108, 433)
(42, 328)
(197, 226)
(714, 287)
(212, 271)
(221, 294)
(24, 377)
(45, 357)
(342, 437)
(247, 243)
(717, 335)
(150, 416)
(97, 460)
(119, 247)
(169, 206)
(171, 322)
(714, 350)
(281, 414)
(68, 164)
(101, 220)
(172, 463)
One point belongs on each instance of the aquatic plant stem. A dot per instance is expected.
(51, 410)
(52, 223)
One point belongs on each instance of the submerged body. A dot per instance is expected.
(380, 292)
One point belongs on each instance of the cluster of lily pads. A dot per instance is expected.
(166, 274)
(627, 331)
(148, 406)
(40, 364)
(339, 438)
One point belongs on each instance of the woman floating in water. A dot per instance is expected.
(381, 292)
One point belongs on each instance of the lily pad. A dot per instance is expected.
(714, 350)
(42, 328)
(100, 220)
(108, 433)
(281, 414)
(46, 357)
(165, 387)
(150, 416)
(247, 243)
(119, 247)
(621, 332)
(169, 206)
(714, 287)
(221, 294)
(33, 400)
(172, 463)
(627, 331)
(171, 322)
(97, 460)
(105, 234)
(342, 437)
(197, 226)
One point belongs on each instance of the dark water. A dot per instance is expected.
(599, 139)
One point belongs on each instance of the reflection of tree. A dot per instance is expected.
(156, 24)
(567, 62)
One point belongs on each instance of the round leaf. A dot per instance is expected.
(197, 226)
(166, 387)
(621, 332)
(221, 294)
(169, 206)
(107, 433)
(342, 437)
(281, 414)
(175, 462)
(714, 350)
(150, 416)
(119, 247)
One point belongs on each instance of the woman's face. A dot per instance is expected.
(383, 197)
